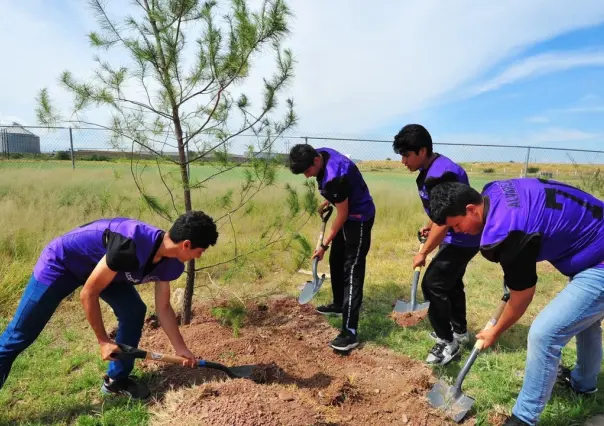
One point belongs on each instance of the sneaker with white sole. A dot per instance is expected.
(461, 338)
(331, 309)
(128, 386)
(443, 352)
(345, 341)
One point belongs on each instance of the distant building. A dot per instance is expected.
(17, 139)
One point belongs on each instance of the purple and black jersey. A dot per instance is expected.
(442, 169)
(531, 220)
(341, 180)
(129, 246)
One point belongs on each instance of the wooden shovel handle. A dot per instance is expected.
(172, 359)
(419, 268)
(492, 321)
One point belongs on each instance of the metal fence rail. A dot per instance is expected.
(30, 146)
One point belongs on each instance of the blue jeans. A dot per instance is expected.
(576, 311)
(40, 301)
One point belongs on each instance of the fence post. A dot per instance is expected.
(71, 148)
(305, 140)
(526, 162)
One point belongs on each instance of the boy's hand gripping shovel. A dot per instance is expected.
(312, 287)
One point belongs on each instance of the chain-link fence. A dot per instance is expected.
(43, 147)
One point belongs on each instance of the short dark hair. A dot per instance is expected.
(450, 199)
(301, 157)
(195, 226)
(412, 137)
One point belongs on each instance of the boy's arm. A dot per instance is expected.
(436, 235)
(98, 280)
(167, 319)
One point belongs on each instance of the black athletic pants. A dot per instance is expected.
(347, 267)
(443, 286)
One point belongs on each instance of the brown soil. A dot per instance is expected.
(409, 319)
(299, 380)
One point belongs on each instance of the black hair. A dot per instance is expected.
(195, 226)
(301, 157)
(412, 137)
(450, 199)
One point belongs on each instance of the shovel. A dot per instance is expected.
(402, 306)
(129, 352)
(312, 287)
(450, 398)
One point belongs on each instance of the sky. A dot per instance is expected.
(510, 73)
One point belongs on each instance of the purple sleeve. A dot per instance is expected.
(445, 172)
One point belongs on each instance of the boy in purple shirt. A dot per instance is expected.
(109, 257)
(341, 183)
(522, 222)
(442, 284)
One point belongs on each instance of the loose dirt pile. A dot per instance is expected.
(299, 379)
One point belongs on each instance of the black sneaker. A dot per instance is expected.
(345, 341)
(564, 379)
(125, 387)
(514, 421)
(330, 309)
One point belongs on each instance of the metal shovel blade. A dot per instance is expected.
(402, 306)
(311, 287)
(451, 400)
(411, 306)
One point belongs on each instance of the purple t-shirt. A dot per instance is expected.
(341, 180)
(129, 245)
(442, 169)
(531, 220)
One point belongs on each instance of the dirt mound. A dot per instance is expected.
(299, 380)
(409, 319)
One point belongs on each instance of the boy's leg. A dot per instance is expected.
(337, 257)
(37, 305)
(440, 280)
(457, 296)
(575, 311)
(358, 242)
(130, 311)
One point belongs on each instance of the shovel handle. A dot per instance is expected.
(492, 321)
(421, 246)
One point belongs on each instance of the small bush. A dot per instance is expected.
(231, 315)
(533, 170)
(96, 157)
(489, 170)
(62, 155)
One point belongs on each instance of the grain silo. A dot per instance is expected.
(17, 139)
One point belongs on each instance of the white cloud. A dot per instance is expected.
(537, 119)
(543, 137)
(542, 64)
(357, 67)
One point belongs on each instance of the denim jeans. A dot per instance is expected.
(576, 311)
(40, 301)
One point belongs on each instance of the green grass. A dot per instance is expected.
(56, 381)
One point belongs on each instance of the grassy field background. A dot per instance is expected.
(56, 381)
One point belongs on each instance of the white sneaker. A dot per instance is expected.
(461, 338)
(443, 352)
